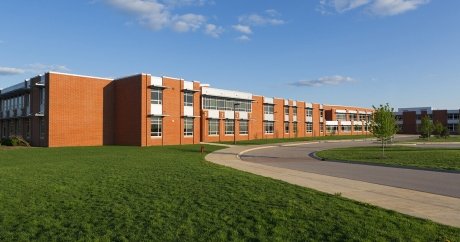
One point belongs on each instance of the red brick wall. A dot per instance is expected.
(79, 111)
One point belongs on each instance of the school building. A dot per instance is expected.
(410, 119)
(58, 109)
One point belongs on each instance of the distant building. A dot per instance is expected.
(57, 109)
(410, 119)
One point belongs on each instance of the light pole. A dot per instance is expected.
(234, 122)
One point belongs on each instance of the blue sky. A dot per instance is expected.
(352, 52)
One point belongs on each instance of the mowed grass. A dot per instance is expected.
(452, 138)
(284, 140)
(172, 194)
(432, 158)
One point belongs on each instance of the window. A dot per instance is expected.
(269, 127)
(188, 99)
(156, 96)
(363, 117)
(229, 126)
(398, 117)
(346, 128)
(286, 110)
(309, 112)
(453, 116)
(27, 128)
(366, 128)
(156, 126)
(294, 127)
(321, 113)
(220, 103)
(42, 96)
(358, 128)
(309, 127)
(41, 127)
(452, 128)
(419, 117)
(331, 128)
(321, 127)
(294, 111)
(244, 126)
(188, 126)
(268, 109)
(213, 128)
(286, 127)
(353, 117)
(341, 116)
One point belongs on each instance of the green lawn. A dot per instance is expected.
(453, 138)
(171, 193)
(434, 158)
(284, 140)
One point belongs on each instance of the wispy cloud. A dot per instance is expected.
(245, 29)
(243, 38)
(157, 15)
(327, 80)
(32, 69)
(6, 71)
(374, 7)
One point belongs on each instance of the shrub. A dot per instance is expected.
(15, 141)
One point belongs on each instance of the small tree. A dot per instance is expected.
(438, 128)
(383, 124)
(426, 127)
(445, 132)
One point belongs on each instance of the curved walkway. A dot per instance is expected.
(297, 168)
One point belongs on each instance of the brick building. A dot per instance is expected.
(410, 119)
(57, 109)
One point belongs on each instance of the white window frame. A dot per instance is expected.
(160, 96)
(244, 123)
(309, 127)
(188, 127)
(188, 95)
(267, 125)
(213, 123)
(159, 122)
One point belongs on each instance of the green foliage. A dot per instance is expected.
(440, 130)
(15, 141)
(172, 194)
(426, 127)
(383, 124)
(436, 158)
(445, 133)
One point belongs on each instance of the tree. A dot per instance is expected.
(383, 124)
(438, 129)
(426, 127)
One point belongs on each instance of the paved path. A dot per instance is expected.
(439, 208)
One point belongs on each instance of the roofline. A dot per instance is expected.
(68, 74)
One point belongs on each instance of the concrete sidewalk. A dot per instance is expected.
(441, 209)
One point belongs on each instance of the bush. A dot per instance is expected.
(15, 141)
(444, 133)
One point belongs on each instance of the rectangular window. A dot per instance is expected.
(453, 128)
(221, 103)
(341, 116)
(309, 112)
(156, 127)
(213, 128)
(353, 117)
(41, 126)
(269, 127)
(358, 128)
(294, 111)
(321, 127)
(42, 96)
(188, 126)
(244, 126)
(188, 99)
(346, 128)
(156, 96)
(331, 128)
(27, 128)
(321, 113)
(294, 126)
(286, 110)
(229, 126)
(309, 127)
(268, 109)
(453, 116)
(286, 127)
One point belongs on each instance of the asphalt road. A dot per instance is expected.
(297, 158)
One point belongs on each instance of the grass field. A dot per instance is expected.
(284, 140)
(452, 138)
(171, 193)
(433, 158)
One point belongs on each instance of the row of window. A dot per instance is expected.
(220, 103)
(353, 116)
(16, 102)
(269, 109)
(345, 128)
(156, 127)
(450, 116)
(214, 127)
(156, 97)
(15, 128)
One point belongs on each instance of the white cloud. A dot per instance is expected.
(327, 80)
(374, 7)
(6, 71)
(158, 15)
(245, 29)
(259, 20)
(213, 30)
(243, 38)
(32, 69)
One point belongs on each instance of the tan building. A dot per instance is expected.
(57, 109)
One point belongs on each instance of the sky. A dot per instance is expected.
(350, 52)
